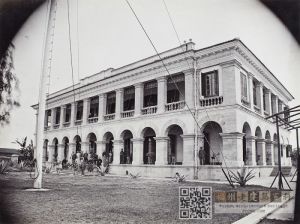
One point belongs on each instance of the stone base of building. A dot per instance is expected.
(207, 172)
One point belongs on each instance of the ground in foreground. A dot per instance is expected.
(98, 199)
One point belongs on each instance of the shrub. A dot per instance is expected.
(242, 177)
(4, 166)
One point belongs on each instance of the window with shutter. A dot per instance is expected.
(244, 88)
(210, 84)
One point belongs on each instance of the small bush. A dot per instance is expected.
(4, 165)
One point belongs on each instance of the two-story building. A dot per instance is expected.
(215, 98)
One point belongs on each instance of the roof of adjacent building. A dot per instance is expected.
(9, 151)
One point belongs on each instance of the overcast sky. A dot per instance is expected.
(109, 36)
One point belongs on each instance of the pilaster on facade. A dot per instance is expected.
(51, 153)
(73, 114)
(260, 87)
(119, 103)
(232, 143)
(62, 115)
(60, 152)
(85, 147)
(86, 109)
(100, 148)
(261, 151)
(118, 145)
(161, 94)
(275, 104)
(137, 151)
(161, 150)
(188, 149)
(250, 84)
(268, 101)
(251, 151)
(102, 106)
(138, 99)
(189, 88)
(53, 118)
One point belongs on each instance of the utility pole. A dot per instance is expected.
(46, 67)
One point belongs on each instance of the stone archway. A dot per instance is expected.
(149, 146)
(259, 147)
(65, 153)
(213, 142)
(77, 141)
(175, 145)
(55, 152)
(269, 149)
(45, 150)
(109, 147)
(92, 139)
(126, 154)
(247, 147)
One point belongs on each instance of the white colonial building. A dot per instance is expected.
(149, 114)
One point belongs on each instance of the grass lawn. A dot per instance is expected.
(98, 199)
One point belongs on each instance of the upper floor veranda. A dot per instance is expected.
(226, 74)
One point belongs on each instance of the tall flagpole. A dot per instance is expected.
(46, 67)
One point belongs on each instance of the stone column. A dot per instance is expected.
(53, 117)
(60, 152)
(260, 87)
(118, 144)
(100, 148)
(62, 115)
(161, 94)
(188, 149)
(268, 101)
(250, 80)
(268, 152)
(233, 148)
(275, 104)
(189, 88)
(102, 108)
(73, 114)
(138, 98)
(51, 153)
(119, 103)
(251, 152)
(86, 110)
(275, 146)
(85, 147)
(261, 151)
(161, 150)
(138, 150)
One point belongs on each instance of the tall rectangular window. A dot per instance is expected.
(111, 103)
(94, 107)
(244, 87)
(57, 115)
(48, 118)
(79, 110)
(68, 113)
(264, 100)
(254, 93)
(210, 84)
(128, 98)
(150, 94)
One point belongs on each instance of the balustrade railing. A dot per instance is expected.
(149, 110)
(175, 106)
(256, 109)
(66, 124)
(211, 101)
(78, 122)
(93, 120)
(56, 126)
(46, 128)
(128, 113)
(109, 117)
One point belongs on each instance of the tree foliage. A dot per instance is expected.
(26, 151)
(9, 86)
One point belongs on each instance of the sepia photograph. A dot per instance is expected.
(140, 111)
